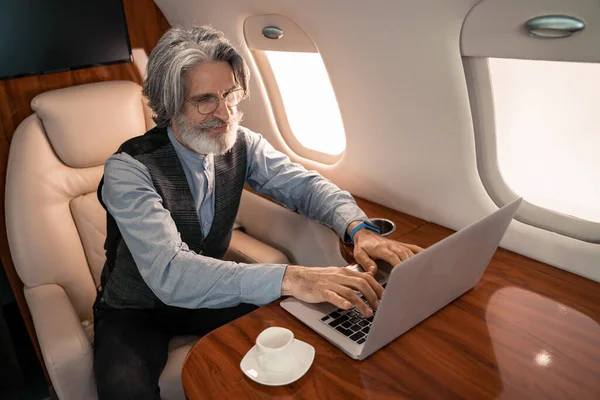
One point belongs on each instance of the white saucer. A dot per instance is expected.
(301, 358)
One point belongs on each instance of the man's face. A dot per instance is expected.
(216, 131)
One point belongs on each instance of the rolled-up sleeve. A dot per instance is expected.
(271, 173)
(177, 275)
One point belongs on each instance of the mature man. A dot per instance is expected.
(171, 197)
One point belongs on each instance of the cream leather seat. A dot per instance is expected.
(56, 226)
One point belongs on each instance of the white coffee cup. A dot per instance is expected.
(274, 345)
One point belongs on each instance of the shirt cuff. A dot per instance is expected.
(344, 216)
(261, 284)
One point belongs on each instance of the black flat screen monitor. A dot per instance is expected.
(44, 36)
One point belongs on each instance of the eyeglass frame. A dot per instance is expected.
(218, 98)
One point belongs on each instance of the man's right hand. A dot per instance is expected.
(334, 285)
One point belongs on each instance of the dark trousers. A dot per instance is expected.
(130, 346)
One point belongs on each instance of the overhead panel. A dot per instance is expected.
(537, 30)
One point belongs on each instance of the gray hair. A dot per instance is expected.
(178, 51)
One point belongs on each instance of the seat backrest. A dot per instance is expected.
(55, 224)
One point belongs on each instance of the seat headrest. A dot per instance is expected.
(87, 123)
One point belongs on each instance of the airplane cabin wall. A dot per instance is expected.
(398, 75)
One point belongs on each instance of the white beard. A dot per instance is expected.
(202, 142)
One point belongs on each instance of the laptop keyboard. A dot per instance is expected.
(350, 323)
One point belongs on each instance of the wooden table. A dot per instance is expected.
(526, 331)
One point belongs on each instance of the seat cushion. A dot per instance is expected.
(171, 387)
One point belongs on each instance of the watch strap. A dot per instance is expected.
(363, 225)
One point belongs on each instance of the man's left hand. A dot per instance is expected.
(369, 246)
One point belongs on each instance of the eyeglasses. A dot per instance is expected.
(209, 103)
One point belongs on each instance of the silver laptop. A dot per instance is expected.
(414, 290)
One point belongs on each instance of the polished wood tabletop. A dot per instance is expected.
(526, 331)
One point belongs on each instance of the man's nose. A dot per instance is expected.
(223, 112)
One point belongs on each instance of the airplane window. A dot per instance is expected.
(309, 101)
(547, 124)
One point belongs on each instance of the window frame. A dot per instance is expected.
(281, 118)
(481, 99)
(294, 39)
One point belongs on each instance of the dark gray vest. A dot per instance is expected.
(121, 282)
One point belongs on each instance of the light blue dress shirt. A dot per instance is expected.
(182, 278)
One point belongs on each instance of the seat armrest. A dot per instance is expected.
(246, 249)
(66, 349)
